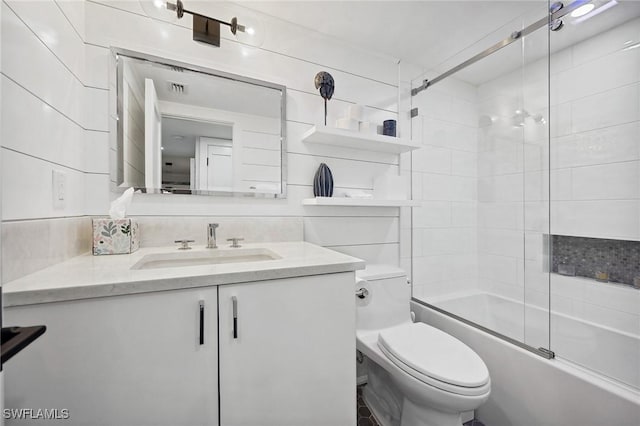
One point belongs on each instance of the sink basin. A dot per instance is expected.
(203, 257)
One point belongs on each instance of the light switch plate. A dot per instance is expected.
(59, 188)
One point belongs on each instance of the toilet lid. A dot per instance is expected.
(435, 354)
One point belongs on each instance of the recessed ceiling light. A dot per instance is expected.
(583, 10)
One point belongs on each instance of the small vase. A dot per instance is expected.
(323, 182)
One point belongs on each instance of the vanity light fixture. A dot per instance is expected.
(205, 28)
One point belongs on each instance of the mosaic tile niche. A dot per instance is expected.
(590, 257)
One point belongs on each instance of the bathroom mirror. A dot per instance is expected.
(185, 129)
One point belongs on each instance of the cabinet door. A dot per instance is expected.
(125, 360)
(292, 361)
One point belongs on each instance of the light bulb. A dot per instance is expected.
(160, 4)
(583, 10)
(250, 31)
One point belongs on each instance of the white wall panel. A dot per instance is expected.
(387, 254)
(342, 231)
(32, 65)
(33, 127)
(75, 13)
(73, 131)
(27, 188)
(51, 26)
(346, 173)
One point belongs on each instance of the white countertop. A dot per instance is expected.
(89, 276)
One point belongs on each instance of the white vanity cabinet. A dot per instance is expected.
(137, 360)
(291, 361)
(125, 360)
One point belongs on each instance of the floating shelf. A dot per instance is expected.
(352, 139)
(357, 202)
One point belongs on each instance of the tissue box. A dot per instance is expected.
(115, 236)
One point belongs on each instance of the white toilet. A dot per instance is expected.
(419, 375)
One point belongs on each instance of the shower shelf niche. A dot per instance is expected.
(357, 202)
(352, 139)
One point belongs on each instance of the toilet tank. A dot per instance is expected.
(387, 302)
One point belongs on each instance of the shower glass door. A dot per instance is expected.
(595, 189)
(480, 236)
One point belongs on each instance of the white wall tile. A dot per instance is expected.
(616, 219)
(439, 241)
(608, 145)
(607, 181)
(448, 188)
(609, 108)
(464, 214)
(464, 163)
(449, 135)
(432, 159)
(432, 214)
(605, 42)
(621, 68)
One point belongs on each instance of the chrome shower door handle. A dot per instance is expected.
(234, 302)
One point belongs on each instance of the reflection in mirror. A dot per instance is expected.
(184, 129)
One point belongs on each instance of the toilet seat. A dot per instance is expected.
(453, 367)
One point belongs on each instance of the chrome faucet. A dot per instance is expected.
(211, 235)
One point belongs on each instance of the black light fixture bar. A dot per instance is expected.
(205, 28)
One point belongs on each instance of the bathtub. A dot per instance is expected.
(594, 379)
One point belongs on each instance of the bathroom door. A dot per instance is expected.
(152, 137)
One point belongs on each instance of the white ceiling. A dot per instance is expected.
(422, 32)
(438, 35)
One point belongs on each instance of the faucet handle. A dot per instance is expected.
(214, 225)
(185, 244)
(234, 243)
